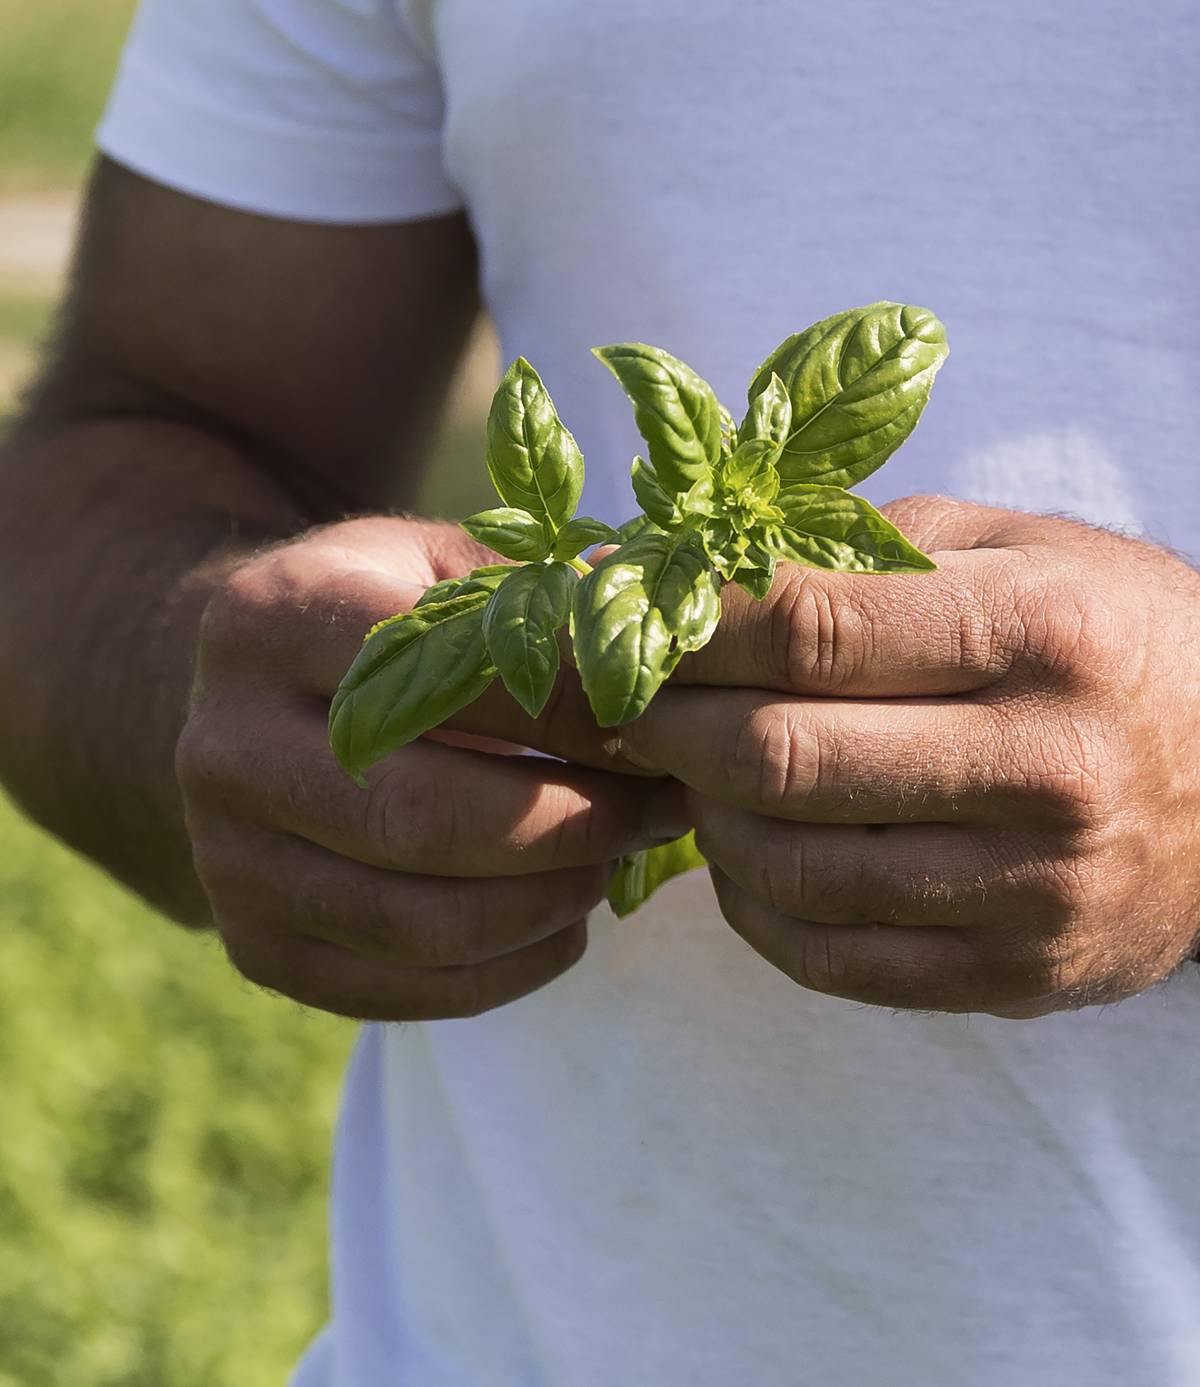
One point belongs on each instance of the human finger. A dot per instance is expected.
(897, 874)
(921, 968)
(867, 635)
(836, 761)
(429, 808)
(319, 974)
(882, 635)
(277, 883)
(301, 619)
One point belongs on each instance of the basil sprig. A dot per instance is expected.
(719, 503)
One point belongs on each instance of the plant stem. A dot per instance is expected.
(581, 566)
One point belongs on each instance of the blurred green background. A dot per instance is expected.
(164, 1127)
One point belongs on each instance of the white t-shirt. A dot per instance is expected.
(673, 1166)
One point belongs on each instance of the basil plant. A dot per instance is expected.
(720, 502)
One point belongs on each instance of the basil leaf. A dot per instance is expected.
(676, 411)
(756, 581)
(533, 461)
(724, 544)
(729, 433)
(653, 497)
(749, 477)
(519, 626)
(756, 572)
(439, 592)
(635, 614)
(636, 525)
(485, 579)
(514, 533)
(769, 416)
(699, 499)
(640, 874)
(582, 533)
(412, 673)
(827, 527)
(857, 382)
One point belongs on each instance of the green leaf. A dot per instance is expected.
(756, 581)
(640, 874)
(636, 525)
(580, 534)
(676, 411)
(724, 544)
(412, 673)
(749, 477)
(439, 592)
(486, 579)
(728, 431)
(769, 416)
(857, 382)
(653, 497)
(827, 527)
(520, 625)
(533, 461)
(699, 499)
(636, 614)
(514, 533)
(756, 572)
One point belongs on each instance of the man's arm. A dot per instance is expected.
(217, 380)
(222, 380)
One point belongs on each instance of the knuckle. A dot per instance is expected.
(594, 834)
(1070, 634)
(776, 759)
(457, 934)
(193, 754)
(1074, 778)
(235, 613)
(206, 763)
(416, 811)
(464, 996)
(783, 876)
(830, 891)
(325, 912)
(821, 637)
(218, 871)
(1043, 965)
(1065, 890)
(820, 966)
(223, 764)
(256, 958)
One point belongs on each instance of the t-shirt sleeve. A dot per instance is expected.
(314, 110)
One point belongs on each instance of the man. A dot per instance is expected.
(684, 1160)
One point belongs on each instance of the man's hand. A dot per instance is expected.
(461, 878)
(973, 790)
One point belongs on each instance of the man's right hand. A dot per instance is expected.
(461, 878)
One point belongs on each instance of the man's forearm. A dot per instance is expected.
(113, 535)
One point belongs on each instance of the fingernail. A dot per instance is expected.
(625, 749)
(665, 816)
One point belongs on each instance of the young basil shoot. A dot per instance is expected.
(719, 502)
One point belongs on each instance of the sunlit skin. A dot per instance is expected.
(457, 880)
(971, 790)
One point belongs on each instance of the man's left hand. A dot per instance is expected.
(971, 790)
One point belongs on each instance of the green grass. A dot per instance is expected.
(24, 318)
(57, 59)
(165, 1154)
